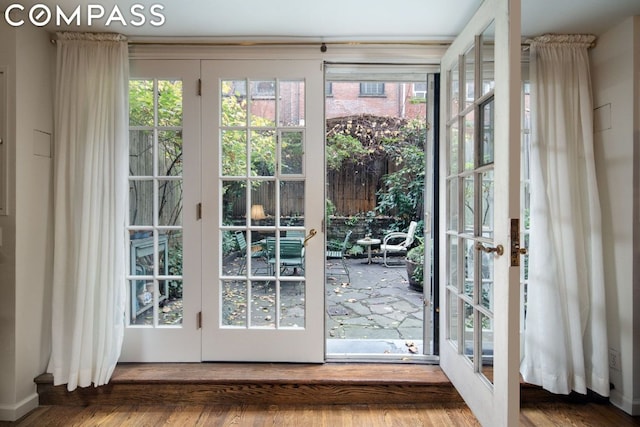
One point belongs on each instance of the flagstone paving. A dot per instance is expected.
(374, 312)
(377, 304)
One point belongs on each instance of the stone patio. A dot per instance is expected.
(375, 313)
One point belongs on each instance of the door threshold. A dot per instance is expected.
(377, 350)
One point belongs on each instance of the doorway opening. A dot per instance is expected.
(378, 150)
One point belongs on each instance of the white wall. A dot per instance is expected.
(616, 83)
(30, 218)
(34, 205)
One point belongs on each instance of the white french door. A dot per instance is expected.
(163, 281)
(262, 211)
(479, 274)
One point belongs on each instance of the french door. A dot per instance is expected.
(479, 274)
(262, 211)
(163, 281)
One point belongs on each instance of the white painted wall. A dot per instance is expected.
(616, 84)
(34, 204)
(30, 218)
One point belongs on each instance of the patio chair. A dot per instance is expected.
(397, 242)
(242, 246)
(337, 250)
(296, 233)
(291, 254)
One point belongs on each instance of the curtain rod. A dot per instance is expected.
(320, 44)
(323, 45)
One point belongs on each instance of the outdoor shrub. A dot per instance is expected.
(402, 193)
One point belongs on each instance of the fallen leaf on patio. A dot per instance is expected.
(413, 349)
(332, 334)
(352, 300)
(267, 318)
(344, 284)
(409, 343)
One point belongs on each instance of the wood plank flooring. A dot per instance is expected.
(544, 414)
(264, 394)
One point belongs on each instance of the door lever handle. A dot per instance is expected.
(498, 250)
(311, 234)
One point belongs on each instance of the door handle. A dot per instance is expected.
(311, 234)
(498, 250)
(516, 250)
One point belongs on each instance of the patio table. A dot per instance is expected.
(368, 242)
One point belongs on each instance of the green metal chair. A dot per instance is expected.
(242, 247)
(291, 254)
(339, 251)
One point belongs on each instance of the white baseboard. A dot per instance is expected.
(16, 411)
(631, 407)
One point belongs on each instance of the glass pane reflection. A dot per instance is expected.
(486, 367)
(469, 324)
(234, 103)
(291, 103)
(292, 304)
(486, 204)
(234, 302)
(292, 203)
(263, 305)
(292, 153)
(453, 317)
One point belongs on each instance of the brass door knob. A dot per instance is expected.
(498, 250)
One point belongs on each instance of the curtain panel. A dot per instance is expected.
(565, 336)
(90, 190)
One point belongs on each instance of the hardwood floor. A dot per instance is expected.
(543, 414)
(265, 394)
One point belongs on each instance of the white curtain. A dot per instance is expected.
(90, 188)
(565, 337)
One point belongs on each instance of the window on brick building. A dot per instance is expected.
(328, 89)
(420, 90)
(371, 89)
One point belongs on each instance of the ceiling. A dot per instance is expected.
(334, 20)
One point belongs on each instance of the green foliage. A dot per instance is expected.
(351, 221)
(341, 147)
(330, 208)
(234, 142)
(175, 268)
(229, 242)
(369, 218)
(355, 250)
(403, 192)
(416, 255)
